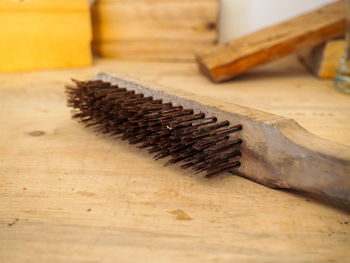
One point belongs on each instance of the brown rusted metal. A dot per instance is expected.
(198, 141)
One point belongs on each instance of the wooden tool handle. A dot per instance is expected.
(276, 151)
(230, 59)
(293, 158)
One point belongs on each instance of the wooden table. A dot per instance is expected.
(69, 196)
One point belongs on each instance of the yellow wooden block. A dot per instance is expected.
(44, 35)
(324, 60)
(331, 58)
(44, 5)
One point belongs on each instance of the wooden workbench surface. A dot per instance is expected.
(69, 196)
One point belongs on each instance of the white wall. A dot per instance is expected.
(240, 17)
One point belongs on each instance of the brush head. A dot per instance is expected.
(180, 134)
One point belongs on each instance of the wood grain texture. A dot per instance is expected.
(232, 58)
(324, 60)
(149, 50)
(67, 195)
(153, 29)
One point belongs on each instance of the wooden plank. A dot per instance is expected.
(324, 60)
(156, 50)
(153, 27)
(237, 56)
(155, 20)
(81, 198)
(171, 30)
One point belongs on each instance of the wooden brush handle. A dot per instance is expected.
(287, 156)
(276, 151)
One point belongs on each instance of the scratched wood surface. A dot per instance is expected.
(69, 196)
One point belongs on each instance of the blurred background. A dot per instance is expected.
(40, 34)
(238, 18)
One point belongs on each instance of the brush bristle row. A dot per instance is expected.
(197, 141)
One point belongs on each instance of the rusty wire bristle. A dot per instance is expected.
(197, 141)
